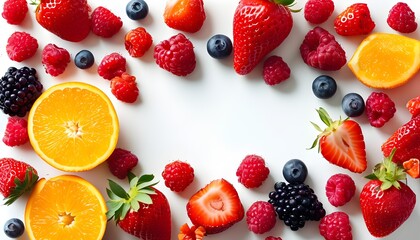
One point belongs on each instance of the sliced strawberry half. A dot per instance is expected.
(341, 142)
(216, 207)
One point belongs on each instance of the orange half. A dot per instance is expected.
(65, 207)
(73, 126)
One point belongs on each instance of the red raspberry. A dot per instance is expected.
(413, 106)
(318, 11)
(55, 59)
(176, 55)
(125, 88)
(14, 11)
(21, 46)
(16, 132)
(272, 238)
(121, 162)
(379, 109)
(105, 23)
(401, 18)
(112, 65)
(261, 217)
(275, 70)
(320, 50)
(178, 175)
(252, 171)
(340, 188)
(137, 42)
(336, 226)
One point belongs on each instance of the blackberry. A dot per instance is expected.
(295, 204)
(19, 88)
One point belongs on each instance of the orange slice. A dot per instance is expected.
(65, 207)
(73, 126)
(386, 60)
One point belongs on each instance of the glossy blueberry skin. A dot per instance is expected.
(84, 59)
(324, 87)
(295, 171)
(219, 46)
(14, 228)
(137, 9)
(353, 105)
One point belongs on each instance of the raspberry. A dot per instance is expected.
(176, 55)
(252, 171)
(105, 23)
(125, 88)
(261, 217)
(16, 132)
(318, 11)
(320, 50)
(336, 226)
(14, 11)
(275, 70)
(401, 18)
(112, 65)
(178, 175)
(272, 238)
(413, 106)
(55, 59)
(379, 109)
(121, 162)
(137, 42)
(340, 188)
(21, 46)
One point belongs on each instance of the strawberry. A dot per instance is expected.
(216, 207)
(386, 202)
(185, 15)
(16, 178)
(413, 106)
(354, 20)
(143, 211)
(341, 143)
(68, 19)
(259, 26)
(412, 167)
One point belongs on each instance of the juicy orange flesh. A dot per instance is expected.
(62, 209)
(70, 130)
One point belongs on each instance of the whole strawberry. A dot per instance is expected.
(16, 178)
(68, 19)
(16, 132)
(125, 88)
(55, 59)
(354, 20)
(105, 23)
(143, 211)
(386, 202)
(259, 26)
(185, 15)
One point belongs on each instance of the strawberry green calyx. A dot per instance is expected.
(21, 187)
(288, 4)
(388, 172)
(121, 201)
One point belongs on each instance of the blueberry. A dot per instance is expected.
(84, 59)
(14, 228)
(295, 171)
(219, 46)
(137, 9)
(353, 105)
(324, 86)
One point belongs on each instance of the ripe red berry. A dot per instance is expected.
(340, 189)
(55, 59)
(14, 11)
(178, 175)
(261, 217)
(176, 55)
(336, 226)
(354, 20)
(137, 42)
(16, 132)
(121, 162)
(105, 23)
(413, 106)
(21, 46)
(379, 109)
(252, 171)
(401, 18)
(275, 70)
(318, 11)
(125, 88)
(112, 65)
(320, 50)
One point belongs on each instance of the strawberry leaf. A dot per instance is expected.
(118, 190)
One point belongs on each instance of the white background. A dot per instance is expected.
(213, 118)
